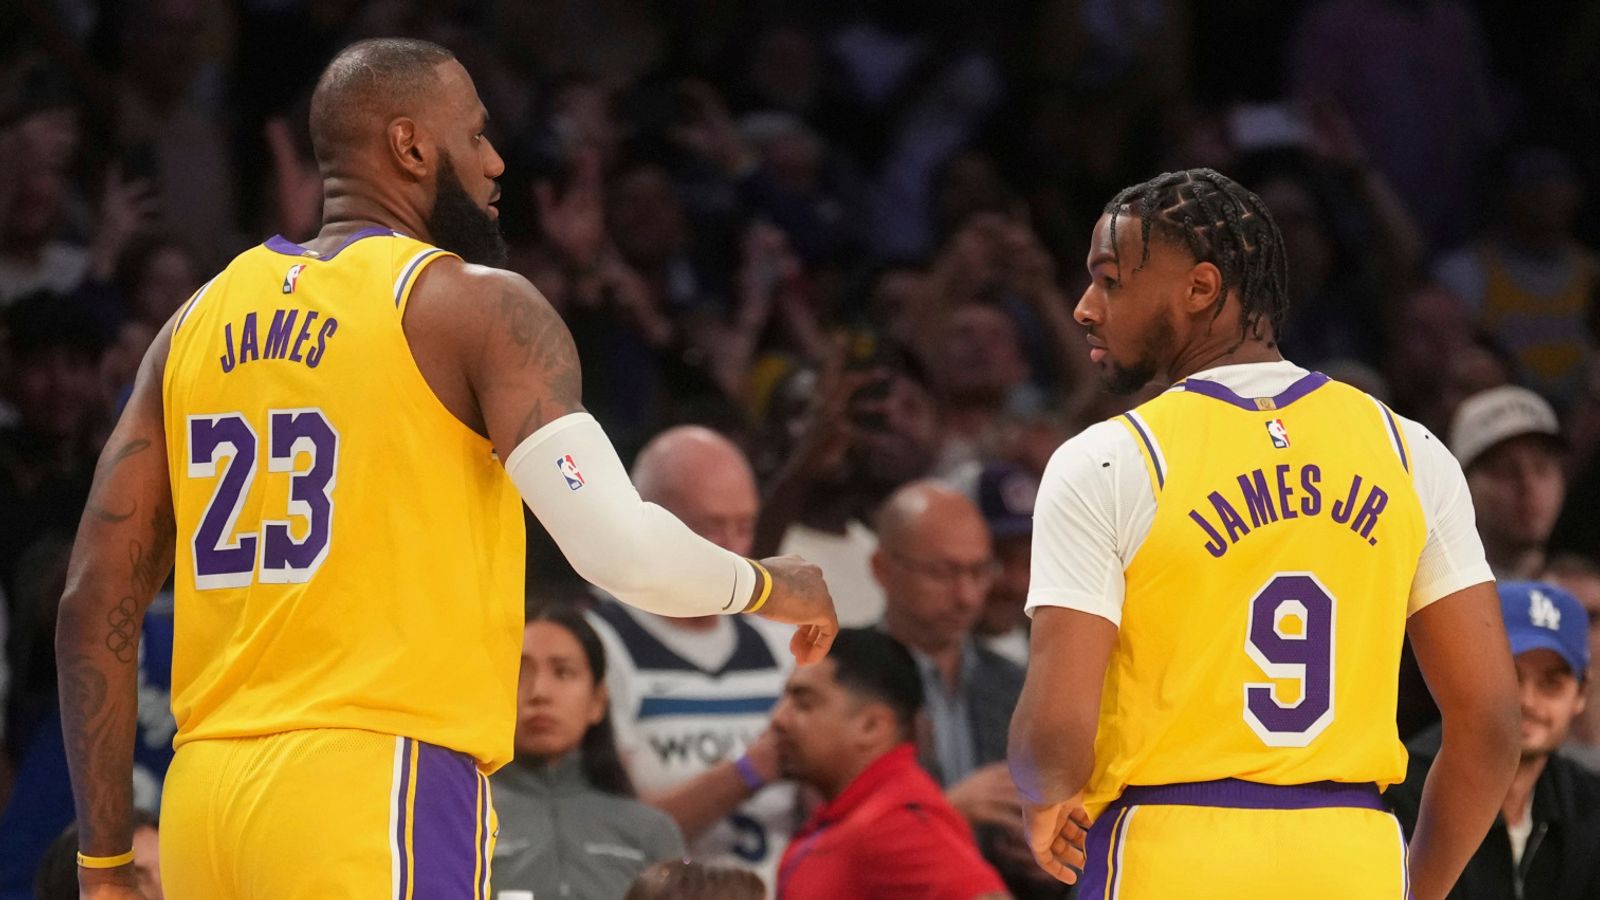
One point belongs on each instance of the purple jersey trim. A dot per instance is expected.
(1231, 793)
(1149, 445)
(280, 244)
(1305, 385)
(1394, 430)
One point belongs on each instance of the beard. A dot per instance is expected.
(459, 225)
(1127, 379)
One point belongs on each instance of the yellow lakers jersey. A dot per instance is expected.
(1264, 612)
(349, 553)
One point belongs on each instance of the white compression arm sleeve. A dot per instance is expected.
(571, 478)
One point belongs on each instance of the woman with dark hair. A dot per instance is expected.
(569, 826)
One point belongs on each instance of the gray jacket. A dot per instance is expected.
(561, 837)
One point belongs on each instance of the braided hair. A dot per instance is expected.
(1220, 222)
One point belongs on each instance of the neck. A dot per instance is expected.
(346, 212)
(847, 777)
(1208, 354)
(945, 656)
(1516, 803)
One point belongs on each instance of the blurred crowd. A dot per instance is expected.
(820, 260)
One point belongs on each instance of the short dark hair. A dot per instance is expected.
(370, 81)
(681, 879)
(874, 666)
(1221, 222)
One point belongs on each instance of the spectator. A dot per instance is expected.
(569, 826)
(168, 127)
(41, 803)
(1580, 577)
(846, 438)
(844, 727)
(1546, 841)
(1005, 496)
(1509, 444)
(1427, 337)
(57, 878)
(47, 456)
(936, 565)
(1429, 117)
(684, 880)
(691, 697)
(35, 254)
(1527, 280)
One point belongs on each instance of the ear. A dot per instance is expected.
(1205, 287)
(880, 566)
(410, 147)
(876, 725)
(598, 701)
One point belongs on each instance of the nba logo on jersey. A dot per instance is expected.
(569, 471)
(1543, 613)
(1278, 433)
(293, 278)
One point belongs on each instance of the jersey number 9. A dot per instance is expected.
(1291, 639)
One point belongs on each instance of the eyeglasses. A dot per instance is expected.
(983, 573)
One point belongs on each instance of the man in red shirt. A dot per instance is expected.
(844, 726)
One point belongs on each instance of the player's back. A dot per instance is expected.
(1265, 609)
(350, 555)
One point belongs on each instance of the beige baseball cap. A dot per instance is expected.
(1499, 414)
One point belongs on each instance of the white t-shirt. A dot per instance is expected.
(846, 563)
(1095, 507)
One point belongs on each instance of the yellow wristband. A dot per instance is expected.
(766, 588)
(104, 862)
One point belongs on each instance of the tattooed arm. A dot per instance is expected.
(500, 357)
(122, 555)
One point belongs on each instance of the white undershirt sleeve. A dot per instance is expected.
(571, 477)
(1452, 558)
(1093, 511)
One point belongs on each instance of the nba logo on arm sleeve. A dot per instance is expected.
(569, 471)
(292, 279)
(1278, 433)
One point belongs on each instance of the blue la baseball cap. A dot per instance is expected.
(1542, 615)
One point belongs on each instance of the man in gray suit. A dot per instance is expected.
(936, 564)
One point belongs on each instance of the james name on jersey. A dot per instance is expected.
(283, 340)
(1282, 495)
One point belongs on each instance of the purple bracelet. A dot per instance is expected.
(748, 774)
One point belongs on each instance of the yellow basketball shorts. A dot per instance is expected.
(326, 814)
(1246, 841)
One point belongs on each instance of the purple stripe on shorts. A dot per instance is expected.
(1231, 793)
(1307, 383)
(1097, 847)
(444, 838)
(401, 819)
